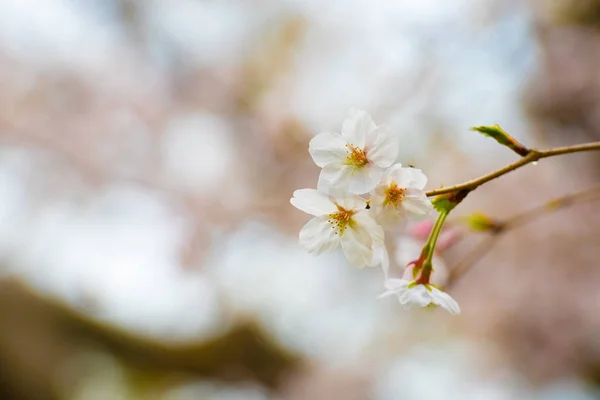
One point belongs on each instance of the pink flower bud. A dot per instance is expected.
(421, 230)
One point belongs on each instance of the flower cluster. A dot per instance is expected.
(361, 192)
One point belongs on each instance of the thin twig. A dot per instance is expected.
(472, 258)
(533, 156)
(514, 222)
(549, 207)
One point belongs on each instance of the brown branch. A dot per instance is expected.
(533, 156)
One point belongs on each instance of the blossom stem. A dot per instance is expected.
(532, 156)
(429, 247)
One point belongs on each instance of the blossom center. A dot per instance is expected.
(394, 195)
(340, 220)
(356, 156)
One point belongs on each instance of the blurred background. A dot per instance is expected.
(148, 151)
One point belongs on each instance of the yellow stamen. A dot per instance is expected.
(340, 220)
(356, 156)
(394, 195)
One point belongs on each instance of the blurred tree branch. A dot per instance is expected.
(39, 335)
(518, 220)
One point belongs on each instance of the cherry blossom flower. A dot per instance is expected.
(412, 294)
(400, 195)
(340, 221)
(354, 160)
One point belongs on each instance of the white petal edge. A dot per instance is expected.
(356, 127)
(445, 301)
(396, 285)
(387, 216)
(351, 202)
(317, 236)
(313, 202)
(364, 179)
(382, 146)
(417, 295)
(356, 252)
(416, 203)
(327, 148)
(334, 178)
(388, 176)
(407, 177)
(364, 221)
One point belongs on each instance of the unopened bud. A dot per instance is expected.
(500, 136)
(480, 222)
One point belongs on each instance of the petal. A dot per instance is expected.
(313, 202)
(416, 203)
(317, 236)
(376, 201)
(365, 224)
(381, 257)
(356, 252)
(382, 146)
(386, 215)
(418, 295)
(379, 190)
(386, 294)
(327, 148)
(396, 285)
(334, 177)
(446, 301)
(364, 179)
(412, 178)
(351, 202)
(356, 127)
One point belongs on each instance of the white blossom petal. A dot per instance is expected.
(327, 148)
(364, 222)
(318, 236)
(396, 285)
(334, 177)
(411, 295)
(444, 300)
(390, 174)
(356, 127)
(412, 178)
(356, 252)
(382, 146)
(386, 215)
(364, 179)
(313, 202)
(416, 203)
(351, 202)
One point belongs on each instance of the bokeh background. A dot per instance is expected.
(148, 151)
